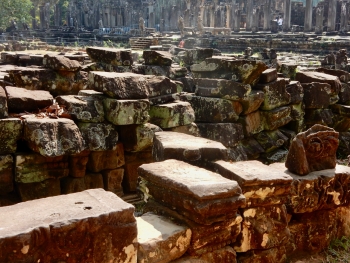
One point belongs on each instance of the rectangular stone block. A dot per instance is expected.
(35, 168)
(323, 98)
(261, 185)
(275, 94)
(344, 94)
(252, 148)
(275, 118)
(93, 180)
(213, 109)
(270, 140)
(251, 123)
(112, 181)
(155, 57)
(6, 174)
(160, 240)
(3, 103)
(11, 130)
(318, 116)
(318, 77)
(113, 56)
(252, 102)
(61, 63)
(268, 75)
(69, 228)
(126, 112)
(176, 184)
(37, 190)
(170, 115)
(105, 160)
(296, 91)
(297, 111)
(70, 185)
(275, 255)
(229, 134)
(77, 164)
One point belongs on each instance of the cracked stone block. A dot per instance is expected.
(70, 228)
(160, 240)
(251, 123)
(11, 130)
(77, 163)
(60, 63)
(155, 57)
(275, 118)
(35, 168)
(180, 146)
(113, 56)
(83, 108)
(229, 134)
(3, 104)
(38, 190)
(137, 138)
(161, 86)
(263, 228)
(52, 137)
(205, 238)
(22, 100)
(221, 88)
(213, 109)
(132, 161)
(326, 189)
(296, 91)
(170, 115)
(103, 160)
(6, 174)
(240, 70)
(261, 185)
(99, 136)
(270, 140)
(126, 112)
(268, 75)
(112, 181)
(311, 76)
(275, 94)
(323, 98)
(176, 184)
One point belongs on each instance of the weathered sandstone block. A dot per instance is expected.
(195, 56)
(164, 99)
(174, 114)
(52, 137)
(318, 116)
(70, 185)
(160, 240)
(6, 174)
(174, 145)
(323, 98)
(343, 75)
(103, 160)
(271, 255)
(10, 132)
(296, 91)
(126, 112)
(268, 75)
(69, 228)
(190, 129)
(111, 56)
(223, 255)
(60, 63)
(252, 148)
(3, 103)
(93, 180)
(311, 76)
(112, 180)
(253, 102)
(43, 189)
(270, 140)
(344, 94)
(251, 123)
(275, 118)
(313, 150)
(77, 164)
(193, 192)
(155, 57)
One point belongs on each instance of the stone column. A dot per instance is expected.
(228, 16)
(319, 19)
(287, 13)
(237, 22)
(42, 16)
(332, 12)
(308, 16)
(151, 16)
(32, 13)
(249, 15)
(344, 17)
(57, 15)
(212, 15)
(267, 16)
(255, 20)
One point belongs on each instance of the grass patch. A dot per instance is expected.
(338, 251)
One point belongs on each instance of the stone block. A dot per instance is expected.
(180, 146)
(176, 184)
(213, 109)
(311, 76)
(272, 255)
(188, 84)
(296, 126)
(205, 238)
(278, 155)
(273, 119)
(70, 185)
(132, 162)
(93, 180)
(83, 108)
(99, 136)
(344, 143)
(240, 70)
(252, 148)
(174, 114)
(160, 239)
(137, 138)
(22, 100)
(171, 72)
(318, 116)
(253, 102)
(52, 137)
(195, 56)
(112, 181)
(190, 129)
(323, 98)
(77, 163)
(237, 153)
(103, 160)
(343, 75)
(126, 112)
(313, 150)
(268, 75)
(261, 185)
(251, 123)
(6, 174)
(342, 110)
(60, 63)
(275, 94)
(270, 140)
(161, 86)
(296, 91)
(326, 189)
(3, 104)
(341, 123)
(263, 228)
(69, 228)
(221, 88)
(288, 70)
(297, 111)
(223, 255)
(35, 168)
(344, 94)
(155, 57)
(38, 190)
(9, 199)
(11, 130)
(163, 99)
(229, 134)
(113, 56)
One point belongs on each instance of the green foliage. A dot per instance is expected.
(339, 251)
(18, 10)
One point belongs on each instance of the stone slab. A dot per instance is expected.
(113, 56)
(69, 228)
(155, 57)
(60, 63)
(311, 76)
